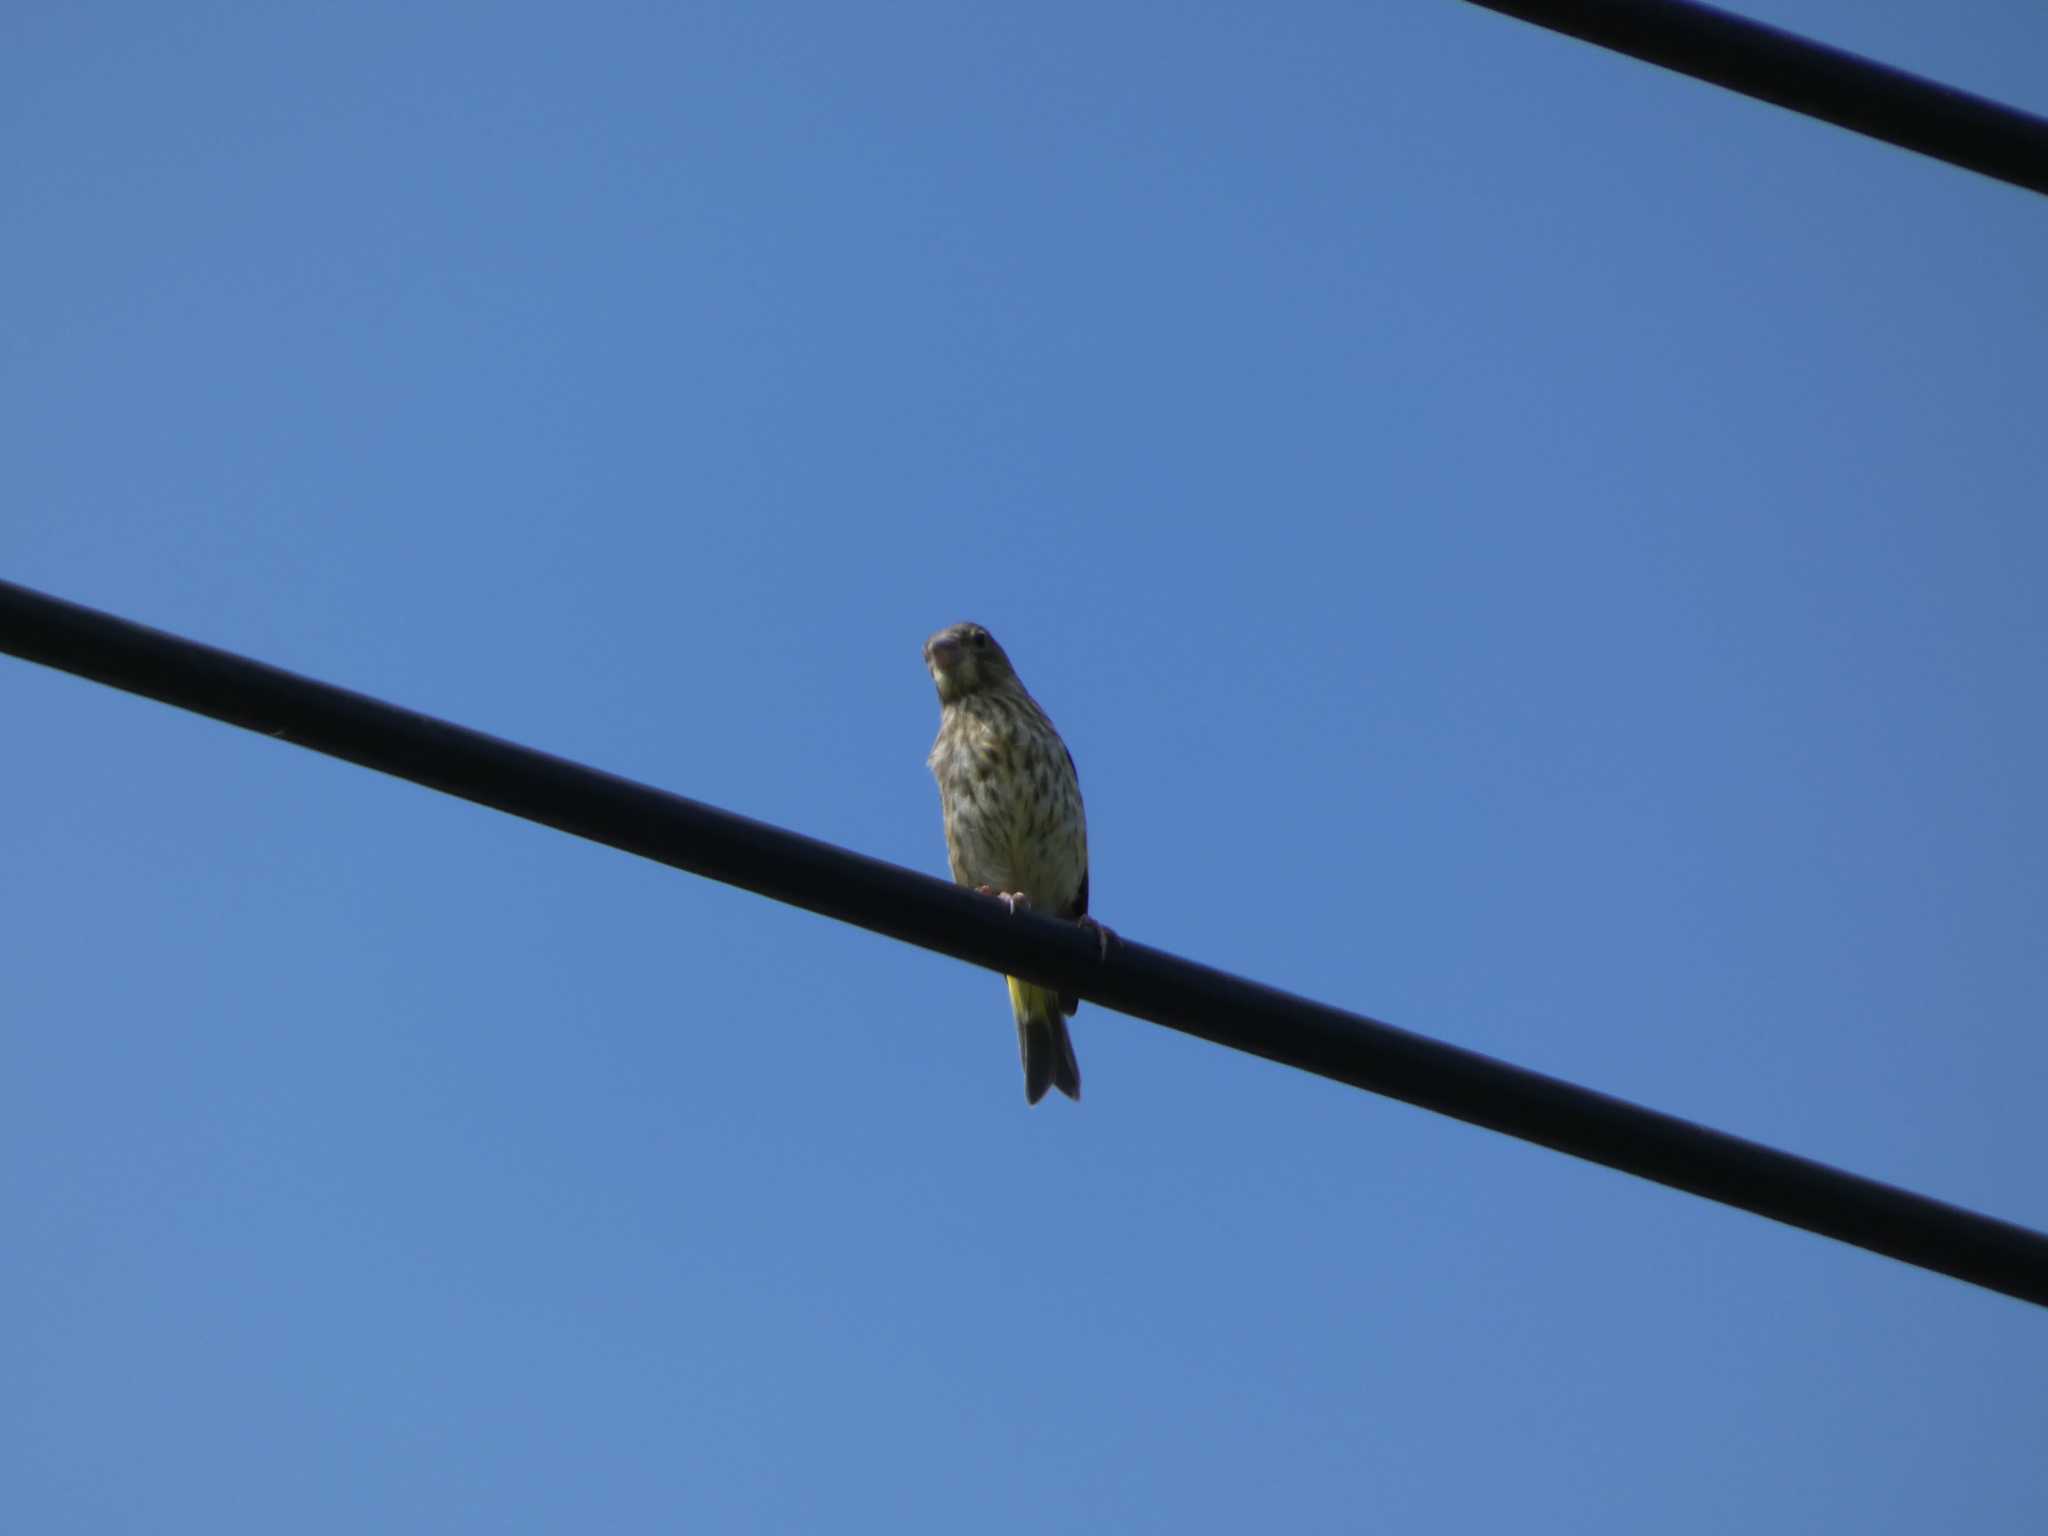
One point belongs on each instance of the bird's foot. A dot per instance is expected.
(1011, 899)
(1104, 937)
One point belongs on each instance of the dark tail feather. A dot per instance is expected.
(1066, 1071)
(1034, 1039)
(1043, 1043)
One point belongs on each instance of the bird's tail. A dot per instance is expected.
(1043, 1041)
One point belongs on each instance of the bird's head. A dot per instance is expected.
(964, 659)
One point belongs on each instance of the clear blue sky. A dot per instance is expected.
(1519, 543)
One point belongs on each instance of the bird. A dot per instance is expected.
(1015, 828)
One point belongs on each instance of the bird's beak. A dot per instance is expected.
(944, 654)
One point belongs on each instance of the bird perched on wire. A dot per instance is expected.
(1014, 824)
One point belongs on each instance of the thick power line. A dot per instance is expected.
(1805, 76)
(1132, 978)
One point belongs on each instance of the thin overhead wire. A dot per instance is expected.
(1808, 77)
(918, 909)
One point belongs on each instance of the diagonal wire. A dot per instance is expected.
(1133, 978)
(1808, 77)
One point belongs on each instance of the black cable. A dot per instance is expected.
(1791, 71)
(1133, 979)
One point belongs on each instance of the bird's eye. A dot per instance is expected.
(981, 639)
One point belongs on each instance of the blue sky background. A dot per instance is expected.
(1520, 544)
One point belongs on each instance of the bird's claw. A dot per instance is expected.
(1104, 938)
(1018, 901)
